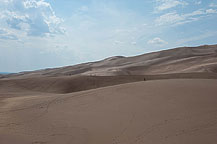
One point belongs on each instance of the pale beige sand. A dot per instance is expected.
(85, 103)
(66, 84)
(179, 60)
(151, 112)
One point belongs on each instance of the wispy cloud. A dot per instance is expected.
(196, 38)
(173, 18)
(198, 2)
(211, 11)
(6, 35)
(168, 4)
(213, 5)
(84, 8)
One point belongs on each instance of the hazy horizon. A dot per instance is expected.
(38, 34)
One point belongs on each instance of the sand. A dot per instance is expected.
(161, 111)
(166, 97)
(201, 59)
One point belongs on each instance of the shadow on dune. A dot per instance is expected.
(69, 84)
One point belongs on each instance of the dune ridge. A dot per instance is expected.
(180, 63)
(179, 60)
(166, 97)
(66, 84)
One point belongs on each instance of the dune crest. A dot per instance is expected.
(178, 60)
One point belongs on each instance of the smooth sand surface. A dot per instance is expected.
(147, 112)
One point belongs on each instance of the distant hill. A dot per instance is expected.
(202, 59)
(4, 73)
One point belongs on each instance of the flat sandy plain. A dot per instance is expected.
(57, 107)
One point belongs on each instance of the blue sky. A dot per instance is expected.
(37, 34)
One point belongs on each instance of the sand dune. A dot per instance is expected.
(179, 60)
(165, 111)
(63, 84)
(166, 97)
(66, 84)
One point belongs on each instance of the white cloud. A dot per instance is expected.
(211, 11)
(4, 34)
(196, 38)
(169, 18)
(174, 18)
(167, 4)
(84, 8)
(35, 17)
(198, 2)
(118, 42)
(213, 5)
(133, 43)
(157, 41)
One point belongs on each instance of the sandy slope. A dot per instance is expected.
(63, 84)
(178, 60)
(85, 103)
(69, 84)
(162, 111)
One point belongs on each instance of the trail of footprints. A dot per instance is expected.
(116, 140)
(140, 138)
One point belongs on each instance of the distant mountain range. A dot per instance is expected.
(3, 73)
